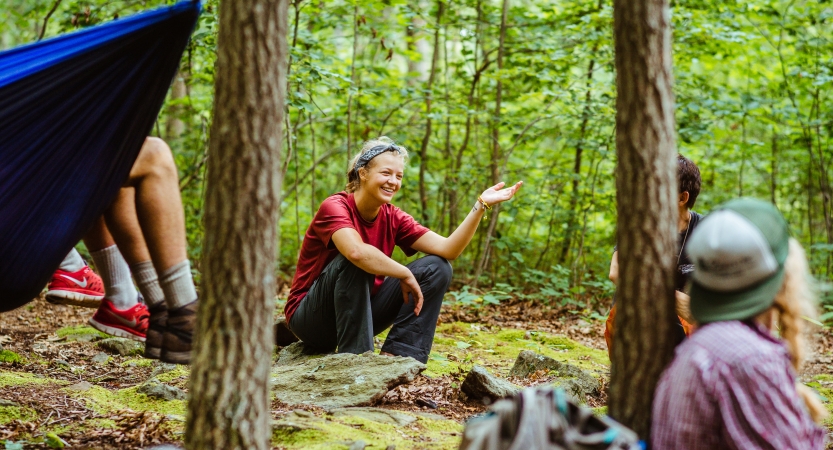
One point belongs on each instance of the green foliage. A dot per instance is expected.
(751, 83)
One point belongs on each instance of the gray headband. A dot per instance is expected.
(365, 157)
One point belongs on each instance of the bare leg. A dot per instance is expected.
(158, 208)
(98, 237)
(124, 223)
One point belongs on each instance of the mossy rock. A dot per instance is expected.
(9, 357)
(81, 333)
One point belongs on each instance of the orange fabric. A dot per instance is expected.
(687, 328)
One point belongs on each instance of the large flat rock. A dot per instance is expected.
(341, 380)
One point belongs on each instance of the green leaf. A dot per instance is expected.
(462, 345)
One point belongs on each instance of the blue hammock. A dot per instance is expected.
(74, 112)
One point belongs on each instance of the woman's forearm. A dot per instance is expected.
(460, 238)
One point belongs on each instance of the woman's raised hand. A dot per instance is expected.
(498, 194)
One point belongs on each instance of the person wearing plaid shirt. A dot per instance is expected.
(732, 384)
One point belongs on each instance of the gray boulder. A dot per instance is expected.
(340, 380)
(156, 389)
(121, 346)
(483, 386)
(575, 381)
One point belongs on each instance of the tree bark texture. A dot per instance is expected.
(646, 197)
(229, 385)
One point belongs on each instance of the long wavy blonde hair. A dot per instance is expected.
(793, 304)
(353, 180)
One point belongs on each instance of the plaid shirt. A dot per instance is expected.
(731, 386)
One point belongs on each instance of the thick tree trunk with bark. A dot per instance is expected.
(646, 188)
(229, 386)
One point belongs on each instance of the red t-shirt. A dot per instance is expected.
(391, 227)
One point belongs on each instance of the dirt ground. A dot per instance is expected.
(30, 331)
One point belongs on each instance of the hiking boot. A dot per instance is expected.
(283, 335)
(130, 323)
(179, 332)
(156, 329)
(82, 288)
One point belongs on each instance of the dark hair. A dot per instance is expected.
(688, 179)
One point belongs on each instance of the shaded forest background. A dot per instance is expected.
(752, 83)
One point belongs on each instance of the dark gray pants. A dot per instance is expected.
(339, 312)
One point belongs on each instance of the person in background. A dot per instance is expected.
(732, 384)
(688, 184)
(347, 288)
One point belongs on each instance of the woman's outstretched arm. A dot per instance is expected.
(451, 247)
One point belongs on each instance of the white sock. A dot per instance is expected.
(118, 286)
(178, 285)
(72, 262)
(148, 282)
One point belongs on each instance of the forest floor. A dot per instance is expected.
(57, 387)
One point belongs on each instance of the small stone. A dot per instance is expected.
(482, 385)
(358, 445)
(80, 386)
(101, 358)
(61, 363)
(156, 389)
(390, 447)
(303, 413)
(161, 368)
(386, 416)
(121, 346)
(4, 402)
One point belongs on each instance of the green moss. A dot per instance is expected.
(8, 356)
(19, 378)
(104, 401)
(179, 372)
(340, 432)
(10, 413)
(80, 333)
(137, 362)
(468, 345)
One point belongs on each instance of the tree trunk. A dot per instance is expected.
(429, 86)
(228, 406)
(646, 188)
(495, 163)
(174, 126)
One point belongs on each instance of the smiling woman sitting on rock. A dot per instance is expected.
(347, 288)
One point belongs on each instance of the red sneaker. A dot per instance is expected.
(131, 323)
(82, 288)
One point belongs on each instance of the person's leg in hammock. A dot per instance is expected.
(148, 224)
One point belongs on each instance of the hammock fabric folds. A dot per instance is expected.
(74, 112)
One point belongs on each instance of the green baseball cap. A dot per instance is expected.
(738, 253)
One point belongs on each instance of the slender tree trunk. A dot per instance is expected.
(646, 187)
(174, 126)
(228, 407)
(773, 179)
(352, 80)
(495, 163)
(574, 195)
(423, 150)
